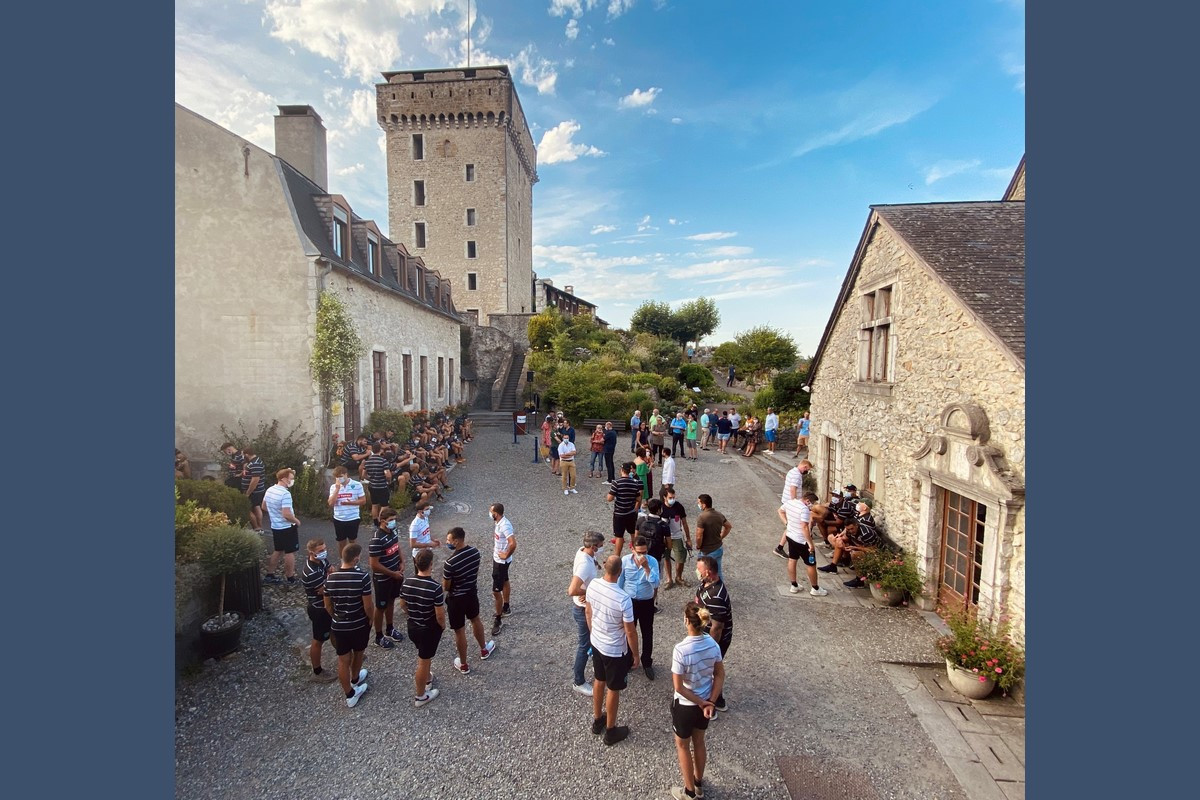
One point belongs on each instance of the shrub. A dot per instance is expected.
(390, 420)
(225, 550)
(889, 570)
(215, 497)
(192, 519)
(975, 647)
(764, 399)
(275, 451)
(695, 375)
(308, 496)
(787, 392)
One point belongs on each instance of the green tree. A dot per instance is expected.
(764, 348)
(544, 327)
(336, 348)
(653, 317)
(695, 320)
(729, 354)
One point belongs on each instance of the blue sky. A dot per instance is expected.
(685, 149)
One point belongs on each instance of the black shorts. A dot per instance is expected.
(611, 671)
(320, 623)
(234, 482)
(461, 608)
(426, 639)
(356, 640)
(287, 540)
(345, 529)
(624, 523)
(256, 499)
(380, 497)
(798, 551)
(386, 590)
(499, 576)
(686, 719)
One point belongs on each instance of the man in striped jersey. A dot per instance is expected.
(460, 577)
(348, 602)
(379, 478)
(237, 461)
(609, 614)
(254, 486)
(316, 569)
(425, 604)
(712, 594)
(285, 526)
(354, 454)
(625, 494)
(387, 573)
(698, 673)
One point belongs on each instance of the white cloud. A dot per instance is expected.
(618, 7)
(534, 70)
(557, 146)
(672, 221)
(639, 99)
(583, 257)
(865, 109)
(944, 169)
(710, 268)
(728, 250)
(1015, 65)
(708, 237)
(603, 229)
(607, 41)
(351, 170)
(753, 273)
(572, 29)
(644, 220)
(676, 121)
(575, 8)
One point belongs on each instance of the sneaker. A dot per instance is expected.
(574, 490)
(566, 491)
(598, 726)
(721, 704)
(584, 689)
(699, 789)
(506, 611)
(292, 581)
(272, 579)
(680, 793)
(828, 568)
(359, 690)
(362, 676)
(617, 734)
(462, 668)
(430, 696)
(657, 610)
(324, 677)
(794, 589)
(857, 583)
(779, 551)
(487, 651)
(384, 642)
(395, 635)
(818, 591)
(649, 672)
(499, 624)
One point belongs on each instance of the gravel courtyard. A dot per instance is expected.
(805, 680)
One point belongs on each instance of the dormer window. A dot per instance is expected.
(875, 354)
(373, 254)
(341, 232)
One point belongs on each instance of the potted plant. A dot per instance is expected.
(978, 657)
(222, 551)
(891, 576)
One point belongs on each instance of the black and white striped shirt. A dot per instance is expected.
(715, 598)
(313, 579)
(421, 595)
(626, 492)
(236, 461)
(351, 450)
(385, 546)
(462, 569)
(375, 466)
(254, 469)
(868, 532)
(346, 588)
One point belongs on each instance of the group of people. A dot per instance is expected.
(650, 435)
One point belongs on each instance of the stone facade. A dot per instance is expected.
(952, 418)
(490, 348)
(439, 123)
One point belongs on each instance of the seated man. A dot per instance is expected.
(422, 489)
(826, 519)
(859, 536)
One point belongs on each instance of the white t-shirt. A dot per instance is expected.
(611, 608)
(794, 478)
(566, 450)
(586, 569)
(276, 499)
(694, 659)
(418, 531)
(736, 419)
(772, 422)
(797, 513)
(668, 470)
(351, 492)
(504, 530)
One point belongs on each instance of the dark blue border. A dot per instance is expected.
(90, 315)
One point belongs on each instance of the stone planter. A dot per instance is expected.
(967, 683)
(216, 642)
(886, 597)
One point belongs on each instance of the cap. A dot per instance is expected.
(835, 494)
(851, 487)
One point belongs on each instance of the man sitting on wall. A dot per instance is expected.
(860, 535)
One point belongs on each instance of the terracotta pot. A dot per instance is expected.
(886, 597)
(967, 683)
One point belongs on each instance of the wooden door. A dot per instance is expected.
(961, 559)
(350, 414)
(830, 454)
(424, 383)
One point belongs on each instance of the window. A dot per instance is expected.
(373, 254)
(470, 217)
(470, 249)
(871, 473)
(418, 147)
(379, 369)
(874, 337)
(418, 193)
(472, 281)
(407, 365)
(419, 234)
(420, 282)
(470, 173)
(341, 232)
(441, 377)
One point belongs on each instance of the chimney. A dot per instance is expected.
(300, 141)
(569, 289)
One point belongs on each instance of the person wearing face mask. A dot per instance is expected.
(285, 526)
(460, 577)
(796, 516)
(346, 498)
(387, 576)
(711, 594)
(313, 578)
(711, 529)
(505, 544)
(418, 530)
(583, 572)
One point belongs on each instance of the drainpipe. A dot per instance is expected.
(326, 416)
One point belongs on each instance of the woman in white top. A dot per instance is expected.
(698, 672)
(585, 570)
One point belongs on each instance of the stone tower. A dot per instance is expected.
(461, 165)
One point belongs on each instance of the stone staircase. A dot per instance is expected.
(508, 399)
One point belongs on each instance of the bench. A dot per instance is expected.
(618, 424)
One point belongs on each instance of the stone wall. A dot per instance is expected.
(515, 326)
(941, 355)
(489, 349)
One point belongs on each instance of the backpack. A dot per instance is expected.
(657, 533)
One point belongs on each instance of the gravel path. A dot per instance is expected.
(803, 674)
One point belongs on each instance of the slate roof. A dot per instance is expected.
(978, 249)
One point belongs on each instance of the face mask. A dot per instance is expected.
(427, 512)
(323, 555)
(391, 524)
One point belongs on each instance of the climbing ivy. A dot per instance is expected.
(337, 348)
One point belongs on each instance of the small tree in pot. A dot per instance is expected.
(222, 551)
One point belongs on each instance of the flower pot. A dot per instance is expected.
(967, 683)
(220, 637)
(887, 597)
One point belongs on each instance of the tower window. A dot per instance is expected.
(419, 234)
(470, 217)
(418, 193)
(470, 249)
(470, 173)
(472, 281)
(418, 147)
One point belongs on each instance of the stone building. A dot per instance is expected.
(258, 237)
(461, 165)
(918, 393)
(547, 295)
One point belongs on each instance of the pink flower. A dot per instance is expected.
(998, 670)
(982, 679)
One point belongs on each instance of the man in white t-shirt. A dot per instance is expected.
(668, 470)
(771, 429)
(566, 460)
(346, 497)
(285, 527)
(502, 552)
(609, 614)
(797, 535)
(418, 531)
(584, 571)
(793, 484)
